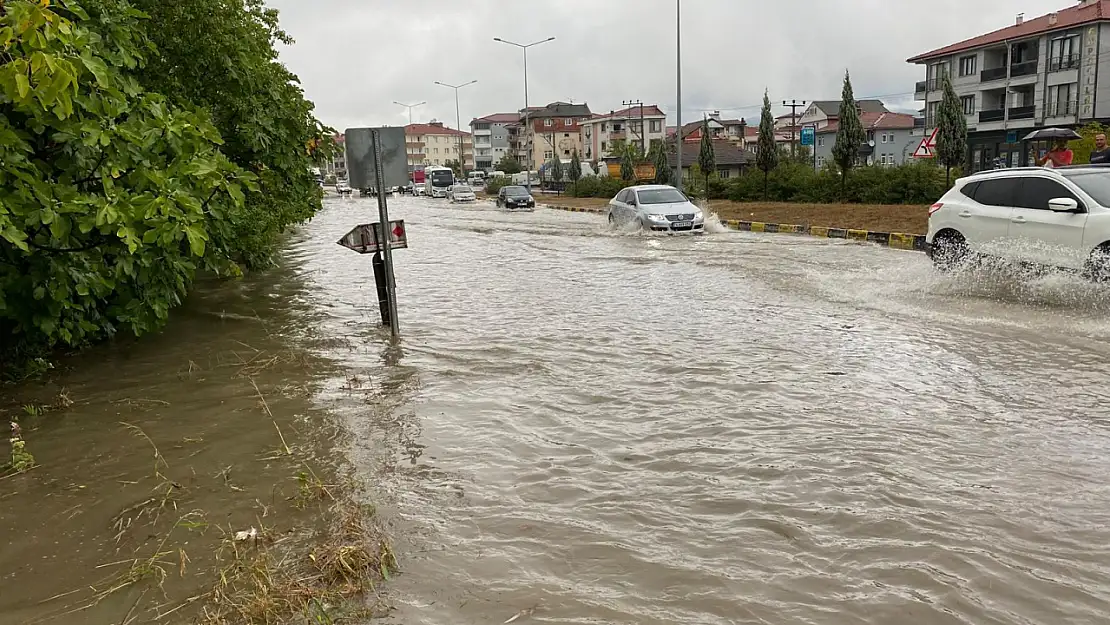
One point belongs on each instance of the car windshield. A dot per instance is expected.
(1095, 183)
(660, 196)
(462, 188)
(516, 191)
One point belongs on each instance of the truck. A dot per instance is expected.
(643, 171)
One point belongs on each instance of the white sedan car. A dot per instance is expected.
(656, 207)
(461, 193)
(1048, 217)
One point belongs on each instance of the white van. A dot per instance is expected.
(477, 178)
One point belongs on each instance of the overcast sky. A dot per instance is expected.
(355, 57)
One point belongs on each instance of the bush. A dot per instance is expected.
(598, 186)
(914, 183)
(493, 186)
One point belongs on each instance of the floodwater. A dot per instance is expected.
(588, 426)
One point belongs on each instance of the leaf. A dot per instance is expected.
(98, 68)
(197, 240)
(22, 85)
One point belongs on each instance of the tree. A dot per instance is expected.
(951, 131)
(767, 157)
(707, 158)
(1082, 148)
(575, 170)
(662, 167)
(509, 165)
(628, 172)
(113, 197)
(556, 169)
(849, 135)
(455, 166)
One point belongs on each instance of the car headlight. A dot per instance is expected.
(657, 217)
(698, 215)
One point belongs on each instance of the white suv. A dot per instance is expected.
(1053, 217)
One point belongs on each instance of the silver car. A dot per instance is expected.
(656, 207)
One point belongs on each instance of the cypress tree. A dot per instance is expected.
(849, 135)
(707, 159)
(951, 131)
(628, 173)
(659, 159)
(575, 171)
(768, 157)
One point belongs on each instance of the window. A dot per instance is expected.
(1063, 53)
(820, 161)
(548, 155)
(548, 122)
(603, 126)
(820, 142)
(1036, 192)
(656, 125)
(969, 189)
(997, 191)
(968, 102)
(436, 150)
(1061, 99)
(566, 152)
(931, 114)
(617, 127)
(967, 65)
(566, 134)
(660, 196)
(723, 173)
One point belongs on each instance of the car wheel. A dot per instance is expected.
(612, 219)
(949, 251)
(1097, 268)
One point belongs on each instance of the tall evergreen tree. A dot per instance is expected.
(628, 173)
(951, 131)
(659, 159)
(574, 172)
(768, 157)
(556, 167)
(849, 135)
(707, 158)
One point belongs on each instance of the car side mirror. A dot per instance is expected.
(1063, 205)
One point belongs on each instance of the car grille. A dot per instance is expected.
(686, 217)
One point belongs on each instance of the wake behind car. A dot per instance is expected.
(515, 198)
(461, 193)
(656, 207)
(1047, 217)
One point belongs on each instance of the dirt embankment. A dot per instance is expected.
(904, 218)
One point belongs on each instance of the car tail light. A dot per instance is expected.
(935, 207)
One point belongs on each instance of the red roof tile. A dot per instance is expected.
(430, 129)
(634, 111)
(875, 121)
(1090, 11)
(500, 118)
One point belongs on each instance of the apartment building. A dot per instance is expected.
(735, 131)
(1053, 70)
(436, 144)
(639, 125)
(552, 130)
(492, 138)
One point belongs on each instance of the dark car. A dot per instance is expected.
(515, 197)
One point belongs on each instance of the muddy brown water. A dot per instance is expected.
(589, 426)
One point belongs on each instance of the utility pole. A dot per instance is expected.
(643, 131)
(409, 107)
(524, 47)
(678, 48)
(458, 123)
(794, 104)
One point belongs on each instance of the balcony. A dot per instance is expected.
(994, 73)
(920, 86)
(1021, 112)
(992, 116)
(933, 84)
(1028, 68)
(1063, 109)
(1063, 63)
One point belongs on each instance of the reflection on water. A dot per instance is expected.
(587, 426)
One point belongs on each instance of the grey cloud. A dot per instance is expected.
(355, 57)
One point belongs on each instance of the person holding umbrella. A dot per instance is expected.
(1058, 156)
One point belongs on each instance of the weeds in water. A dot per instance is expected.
(22, 460)
(310, 488)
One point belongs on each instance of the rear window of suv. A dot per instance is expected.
(997, 191)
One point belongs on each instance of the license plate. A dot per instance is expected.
(682, 224)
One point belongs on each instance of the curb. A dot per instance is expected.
(897, 240)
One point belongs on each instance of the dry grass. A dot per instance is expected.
(906, 218)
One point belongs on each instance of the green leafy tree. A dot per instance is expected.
(951, 131)
(112, 197)
(509, 165)
(628, 172)
(455, 166)
(849, 134)
(555, 168)
(574, 172)
(707, 158)
(1082, 148)
(767, 157)
(663, 174)
(220, 56)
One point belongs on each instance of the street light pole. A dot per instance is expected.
(524, 47)
(409, 107)
(678, 39)
(458, 122)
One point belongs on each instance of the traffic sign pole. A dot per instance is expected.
(384, 237)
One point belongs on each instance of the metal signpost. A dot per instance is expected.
(374, 170)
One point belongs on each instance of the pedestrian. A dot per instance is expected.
(1059, 156)
(1101, 153)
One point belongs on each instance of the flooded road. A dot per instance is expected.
(736, 428)
(588, 426)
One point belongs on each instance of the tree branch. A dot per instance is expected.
(68, 250)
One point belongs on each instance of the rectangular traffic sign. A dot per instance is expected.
(807, 135)
(365, 238)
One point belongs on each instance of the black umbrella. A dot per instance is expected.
(1048, 134)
